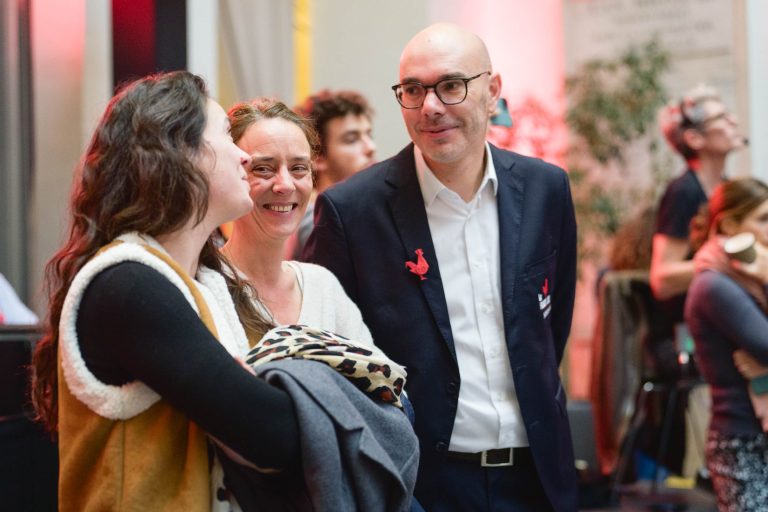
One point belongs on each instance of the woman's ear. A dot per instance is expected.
(729, 226)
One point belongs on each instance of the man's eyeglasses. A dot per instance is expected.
(451, 91)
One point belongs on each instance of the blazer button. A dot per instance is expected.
(452, 388)
(441, 447)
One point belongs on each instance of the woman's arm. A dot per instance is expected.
(734, 313)
(671, 273)
(134, 324)
(730, 310)
(757, 375)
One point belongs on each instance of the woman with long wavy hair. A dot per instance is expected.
(727, 312)
(140, 359)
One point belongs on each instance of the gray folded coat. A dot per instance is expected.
(357, 454)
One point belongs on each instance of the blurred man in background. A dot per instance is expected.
(342, 119)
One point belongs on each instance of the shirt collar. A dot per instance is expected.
(431, 186)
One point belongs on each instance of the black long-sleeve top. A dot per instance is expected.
(722, 318)
(134, 324)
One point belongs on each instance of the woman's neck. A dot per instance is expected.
(262, 263)
(260, 260)
(185, 244)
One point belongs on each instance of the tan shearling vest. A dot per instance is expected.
(156, 460)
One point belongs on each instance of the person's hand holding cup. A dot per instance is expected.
(747, 255)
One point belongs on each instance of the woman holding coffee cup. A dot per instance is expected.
(727, 312)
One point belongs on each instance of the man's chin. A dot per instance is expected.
(442, 154)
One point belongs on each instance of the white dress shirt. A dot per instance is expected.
(466, 240)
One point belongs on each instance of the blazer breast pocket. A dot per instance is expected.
(536, 291)
(539, 282)
(545, 265)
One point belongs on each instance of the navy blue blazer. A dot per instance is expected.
(368, 226)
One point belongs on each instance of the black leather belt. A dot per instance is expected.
(491, 458)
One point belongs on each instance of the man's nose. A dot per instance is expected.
(431, 102)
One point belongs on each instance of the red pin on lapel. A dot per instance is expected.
(545, 288)
(420, 267)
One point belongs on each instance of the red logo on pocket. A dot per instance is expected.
(544, 299)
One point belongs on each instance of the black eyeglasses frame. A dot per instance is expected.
(434, 86)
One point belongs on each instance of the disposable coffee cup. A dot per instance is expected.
(741, 247)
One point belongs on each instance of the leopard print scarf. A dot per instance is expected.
(367, 368)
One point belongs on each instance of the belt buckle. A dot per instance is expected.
(484, 459)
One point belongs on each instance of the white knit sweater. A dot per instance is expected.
(325, 305)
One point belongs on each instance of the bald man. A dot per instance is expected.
(462, 259)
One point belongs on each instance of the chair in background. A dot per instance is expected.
(617, 360)
(28, 456)
(633, 398)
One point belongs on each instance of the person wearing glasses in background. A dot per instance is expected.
(700, 129)
(462, 260)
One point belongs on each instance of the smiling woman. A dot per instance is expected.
(280, 176)
(281, 145)
(293, 295)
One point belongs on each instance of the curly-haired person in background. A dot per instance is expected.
(342, 120)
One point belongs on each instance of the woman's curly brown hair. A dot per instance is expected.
(138, 174)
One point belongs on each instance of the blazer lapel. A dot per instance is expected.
(407, 206)
(510, 204)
